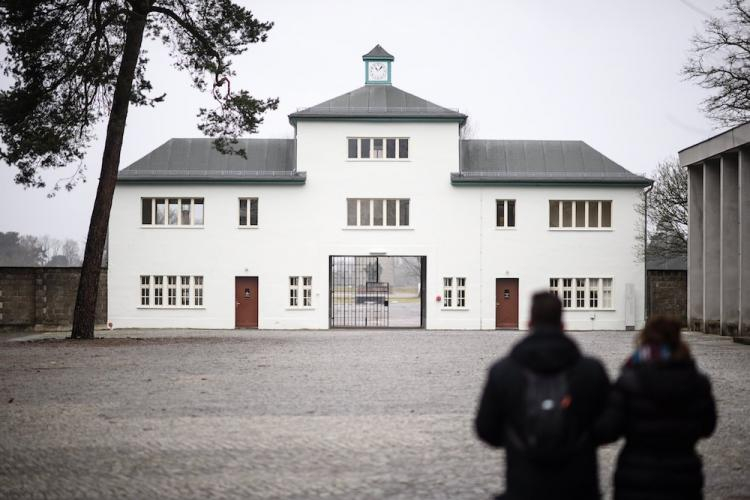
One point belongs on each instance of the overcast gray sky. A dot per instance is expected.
(603, 71)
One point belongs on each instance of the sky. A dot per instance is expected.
(603, 71)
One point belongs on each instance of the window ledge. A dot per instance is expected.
(378, 160)
(585, 229)
(301, 308)
(248, 227)
(454, 309)
(568, 309)
(505, 228)
(172, 307)
(378, 228)
(170, 226)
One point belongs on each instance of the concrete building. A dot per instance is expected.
(376, 214)
(719, 232)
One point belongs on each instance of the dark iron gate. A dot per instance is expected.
(358, 298)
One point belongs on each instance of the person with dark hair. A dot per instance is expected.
(662, 405)
(539, 403)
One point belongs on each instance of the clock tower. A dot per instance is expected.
(378, 66)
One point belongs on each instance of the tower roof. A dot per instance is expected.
(378, 53)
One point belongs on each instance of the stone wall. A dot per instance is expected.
(667, 294)
(43, 297)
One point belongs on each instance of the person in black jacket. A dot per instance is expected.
(550, 453)
(662, 405)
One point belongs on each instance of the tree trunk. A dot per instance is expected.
(84, 315)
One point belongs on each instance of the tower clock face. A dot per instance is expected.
(377, 71)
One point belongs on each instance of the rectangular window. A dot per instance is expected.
(243, 212)
(172, 290)
(580, 213)
(567, 213)
(584, 214)
(364, 148)
(351, 212)
(606, 293)
(172, 211)
(175, 298)
(403, 218)
(300, 286)
(460, 292)
(145, 290)
(554, 213)
(593, 214)
(307, 291)
(567, 292)
(364, 212)
(198, 290)
(293, 291)
(377, 148)
(185, 212)
(248, 212)
(506, 213)
(147, 211)
(590, 293)
(594, 293)
(580, 293)
(554, 284)
(390, 212)
(447, 292)
(454, 293)
(198, 211)
(390, 148)
(606, 213)
(184, 290)
(161, 210)
(377, 212)
(158, 290)
(403, 148)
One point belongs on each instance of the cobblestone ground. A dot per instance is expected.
(341, 414)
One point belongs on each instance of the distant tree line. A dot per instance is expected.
(27, 250)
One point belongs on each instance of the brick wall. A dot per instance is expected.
(43, 297)
(667, 294)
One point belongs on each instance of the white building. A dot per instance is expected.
(376, 214)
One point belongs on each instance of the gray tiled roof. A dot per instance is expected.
(268, 160)
(559, 162)
(378, 102)
(378, 52)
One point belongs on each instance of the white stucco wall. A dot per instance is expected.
(301, 226)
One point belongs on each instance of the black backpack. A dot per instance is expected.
(547, 430)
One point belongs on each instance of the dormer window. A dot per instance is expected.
(378, 148)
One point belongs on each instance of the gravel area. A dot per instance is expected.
(303, 414)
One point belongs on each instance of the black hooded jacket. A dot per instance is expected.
(662, 409)
(502, 404)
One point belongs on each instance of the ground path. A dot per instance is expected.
(258, 414)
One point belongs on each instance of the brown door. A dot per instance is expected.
(506, 303)
(246, 302)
